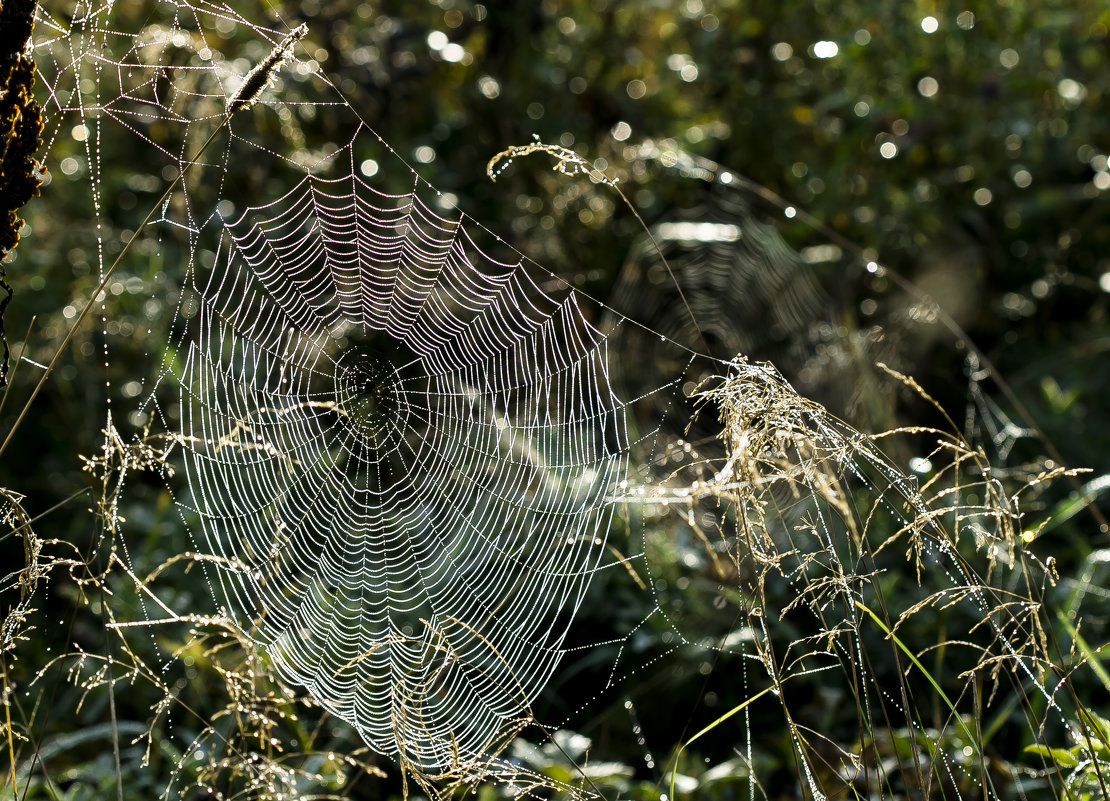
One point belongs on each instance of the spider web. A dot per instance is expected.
(402, 444)
(730, 266)
(402, 449)
(397, 449)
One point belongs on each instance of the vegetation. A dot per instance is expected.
(916, 194)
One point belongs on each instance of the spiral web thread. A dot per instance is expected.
(402, 444)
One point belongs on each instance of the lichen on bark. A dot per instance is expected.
(20, 138)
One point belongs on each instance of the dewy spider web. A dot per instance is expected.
(401, 448)
(402, 444)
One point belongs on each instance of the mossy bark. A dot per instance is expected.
(20, 137)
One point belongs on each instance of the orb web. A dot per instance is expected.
(401, 449)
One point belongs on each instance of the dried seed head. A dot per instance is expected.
(567, 161)
(261, 76)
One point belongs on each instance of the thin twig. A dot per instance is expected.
(18, 359)
(8, 718)
(43, 514)
(111, 684)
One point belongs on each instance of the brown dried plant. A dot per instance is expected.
(813, 516)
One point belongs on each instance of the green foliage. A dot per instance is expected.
(1085, 763)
